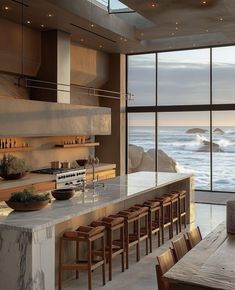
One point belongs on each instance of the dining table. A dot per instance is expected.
(209, 265)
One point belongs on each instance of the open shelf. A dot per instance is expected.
(16, 149)
(77, 145)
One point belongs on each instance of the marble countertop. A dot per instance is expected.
(33, 178)
(115, 190)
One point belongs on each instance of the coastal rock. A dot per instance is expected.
(135, 155)
(147, 161)
(206, 147)
(165, 162)
(196, 130)
(219, 131)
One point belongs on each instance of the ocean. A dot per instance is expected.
(183, 148)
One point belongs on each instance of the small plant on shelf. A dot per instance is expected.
(12, 167)
(27, 196)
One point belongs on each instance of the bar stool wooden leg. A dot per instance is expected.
(89, 249)
(146, 241)
(163, 222)
(110, 238)
(110, 262)
(123, 246)
(61, 257)
(127, 244)
(138, 237)
(77, 258)
(150, 231)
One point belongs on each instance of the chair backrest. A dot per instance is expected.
(180, 247)
(165, 262)
(194, 237)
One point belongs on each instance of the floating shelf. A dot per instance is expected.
(16, 149)
(77, 145)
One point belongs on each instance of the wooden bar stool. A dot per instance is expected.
(115, 244)
(144, 225)
(132, 231)
(166, 214)
(175, 202)
(86, 235)
(154, 211)
(182, 208)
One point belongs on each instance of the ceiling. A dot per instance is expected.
(156, 24)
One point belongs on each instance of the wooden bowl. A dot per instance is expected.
(27, 206)
(63, 194)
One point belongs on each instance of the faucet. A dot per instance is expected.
(95, 181)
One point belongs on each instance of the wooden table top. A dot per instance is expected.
(209, 265)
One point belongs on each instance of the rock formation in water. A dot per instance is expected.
(140, 160)
(219, 131)
(206, 147)
(196, 130)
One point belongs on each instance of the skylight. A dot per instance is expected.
(114, 6)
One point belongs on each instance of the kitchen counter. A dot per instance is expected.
(25, 236)
(33, 178)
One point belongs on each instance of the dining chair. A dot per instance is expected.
(194, 237)
(165, 262)
(180, 247)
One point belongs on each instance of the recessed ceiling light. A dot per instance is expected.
(121, 38)
(81, 39)
(176, 28)
(92, 25)
(42, 25)
(100, 46)
(207, 30)
(204, 2)
(176, 23)
(28, 22)
(6, 8)
(172, 33)
(125, 40)
(221, 19)
(50, 15)
(153, 5)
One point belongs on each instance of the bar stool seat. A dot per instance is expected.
(113, 247)
(87, 235)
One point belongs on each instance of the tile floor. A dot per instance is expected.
(141, 275)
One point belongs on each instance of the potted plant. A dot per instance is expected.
(27, 201)
(12, 167)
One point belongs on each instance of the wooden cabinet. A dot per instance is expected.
(102, 175)
(37, 187)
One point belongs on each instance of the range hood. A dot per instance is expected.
(24, 118)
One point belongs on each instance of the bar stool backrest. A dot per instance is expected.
(194, 237)
(165, 262)
(180, 247)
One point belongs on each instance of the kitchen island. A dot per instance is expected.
(28, 241)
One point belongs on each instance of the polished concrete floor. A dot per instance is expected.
(141, 275)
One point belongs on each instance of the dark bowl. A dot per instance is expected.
(13, 176)
(63, 194)
(82, 162)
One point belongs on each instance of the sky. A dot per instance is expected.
(183, 79)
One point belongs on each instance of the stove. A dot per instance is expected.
(66, 177)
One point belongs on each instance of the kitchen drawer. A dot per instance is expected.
(102, 175)
(37, 187)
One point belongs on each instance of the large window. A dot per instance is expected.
(183, 145)
(182, 116)
(141, 140)
(142, 79)
(184, 77)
